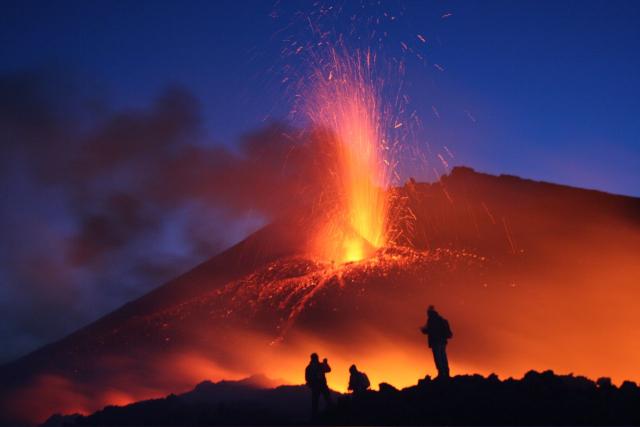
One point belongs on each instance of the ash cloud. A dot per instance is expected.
(101, 205)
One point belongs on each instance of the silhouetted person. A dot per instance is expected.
(438, 331)
(314, 375)
(358, 381)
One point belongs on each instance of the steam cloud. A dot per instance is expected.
(101, 205)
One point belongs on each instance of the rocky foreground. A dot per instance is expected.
(536, 399)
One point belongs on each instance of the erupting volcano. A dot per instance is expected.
(521, 268)
(531, 275)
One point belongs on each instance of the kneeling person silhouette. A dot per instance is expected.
(358, 381)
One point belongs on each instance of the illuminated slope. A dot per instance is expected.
(530, 275)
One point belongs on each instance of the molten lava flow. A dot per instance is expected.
(347, 103)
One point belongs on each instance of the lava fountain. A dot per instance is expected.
(346, 101)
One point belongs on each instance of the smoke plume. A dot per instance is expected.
(99, 205)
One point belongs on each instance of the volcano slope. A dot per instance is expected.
(531, 276)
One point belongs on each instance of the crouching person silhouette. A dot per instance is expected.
(358, 381)
(438, 331)
(314, 375)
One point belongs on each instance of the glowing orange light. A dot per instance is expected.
(346, 101)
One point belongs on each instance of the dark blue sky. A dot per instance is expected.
(111, 185)
(554, 86)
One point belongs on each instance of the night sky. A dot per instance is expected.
(104, 105)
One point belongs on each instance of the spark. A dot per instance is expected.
(509, 236)
(486, 209)
(443, 161)
(471, 117)
(448, 151)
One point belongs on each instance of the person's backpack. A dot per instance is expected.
(447, 330)
(365, 381)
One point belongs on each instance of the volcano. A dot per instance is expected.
(531, 275)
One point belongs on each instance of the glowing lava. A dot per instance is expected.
(346, 101)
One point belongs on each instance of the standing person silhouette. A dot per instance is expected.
(438, 332)
(316, 380)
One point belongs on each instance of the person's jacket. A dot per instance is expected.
(437, 329)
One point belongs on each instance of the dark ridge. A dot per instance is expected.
(539, 398)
